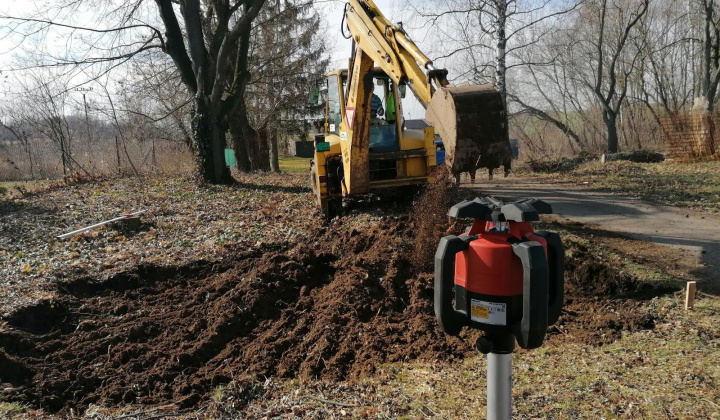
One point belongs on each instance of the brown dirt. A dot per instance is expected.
(601, 301)
(430, 219)
(336, 306)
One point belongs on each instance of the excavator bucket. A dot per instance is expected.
(472, 122)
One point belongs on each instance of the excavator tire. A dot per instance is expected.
(330, 207)
(472, 122)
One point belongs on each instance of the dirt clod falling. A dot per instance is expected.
(430, 219)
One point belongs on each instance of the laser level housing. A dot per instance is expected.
(503, 277)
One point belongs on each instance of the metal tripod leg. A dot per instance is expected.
(499, 386)
(499, 350)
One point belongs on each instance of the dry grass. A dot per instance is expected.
(671, 371)
(41, 159)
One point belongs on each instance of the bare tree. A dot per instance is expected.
(13, 125)
(710, 76)
(606, 56)
(212, 34)
(46, 111)
(486, 37)
(288, 58)
(200, 36)
(665, 75)
(155, 95)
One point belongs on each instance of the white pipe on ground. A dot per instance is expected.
(85, 229)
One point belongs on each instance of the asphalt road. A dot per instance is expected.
(672, 226)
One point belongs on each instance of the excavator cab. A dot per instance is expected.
(383, 127)
(393, 160)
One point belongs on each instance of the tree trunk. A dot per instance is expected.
(117, 155)
(638, 156)
(501, 44)
(707, 51)
(64, 153)
(273, 146)
(256, 143)
(185, 134)
(91, 161)
(221, 171)
(250, 145)
(240, 144)
(261, 161)
(610, 120)
(26, 143)
(210, 146)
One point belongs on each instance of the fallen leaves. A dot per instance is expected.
(183, 222)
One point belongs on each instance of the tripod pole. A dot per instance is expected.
(499, 386)
(499, 349)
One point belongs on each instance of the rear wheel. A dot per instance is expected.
(328, 206)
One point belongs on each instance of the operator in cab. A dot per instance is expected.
(376, 111)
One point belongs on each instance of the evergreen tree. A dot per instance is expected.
(287, 57)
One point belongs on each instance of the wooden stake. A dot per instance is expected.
(690, 295)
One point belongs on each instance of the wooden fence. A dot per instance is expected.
(692, 136)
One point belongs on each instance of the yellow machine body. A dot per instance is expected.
(362, 152)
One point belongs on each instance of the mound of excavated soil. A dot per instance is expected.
(601, 301)
(335, 307)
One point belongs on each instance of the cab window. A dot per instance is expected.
(334, 113)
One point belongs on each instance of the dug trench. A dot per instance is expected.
(334, 307)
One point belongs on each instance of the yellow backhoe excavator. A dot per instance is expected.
(366, 145)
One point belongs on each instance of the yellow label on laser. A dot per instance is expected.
(493, 313)
(480, 312)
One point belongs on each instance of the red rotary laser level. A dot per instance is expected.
(508, 281)
(507, 278)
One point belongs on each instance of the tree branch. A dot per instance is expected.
(175, 46)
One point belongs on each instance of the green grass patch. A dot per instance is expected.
(294, 165)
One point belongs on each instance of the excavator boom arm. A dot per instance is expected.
(391, 49)
(470, 119)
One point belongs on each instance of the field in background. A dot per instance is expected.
(40, 159)
(170, 165)
(294, 165)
